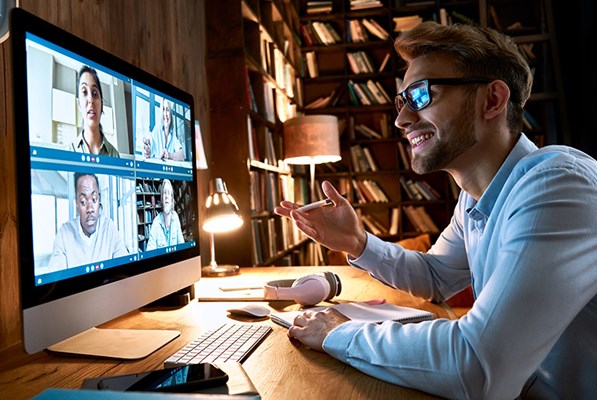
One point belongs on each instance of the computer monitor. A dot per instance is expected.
(106, 191)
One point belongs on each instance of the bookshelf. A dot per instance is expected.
(254, 73)
(531, 24)
(271, 59)
(341, 78)
(149, 204)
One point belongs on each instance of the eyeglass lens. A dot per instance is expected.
(416, 95)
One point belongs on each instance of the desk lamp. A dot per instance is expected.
(222, 215)
(310, 140)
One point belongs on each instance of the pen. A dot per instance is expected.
(317, 204)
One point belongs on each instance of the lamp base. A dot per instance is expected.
(220, 270)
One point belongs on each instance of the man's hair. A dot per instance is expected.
(478, 52)
(79, 175)
(163, 187)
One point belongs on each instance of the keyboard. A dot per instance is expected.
(228, 343)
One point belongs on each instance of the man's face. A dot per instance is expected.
(88, 202)
(444, 130)
(167, 199)
(167, 115)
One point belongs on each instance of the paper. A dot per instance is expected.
(362, 312)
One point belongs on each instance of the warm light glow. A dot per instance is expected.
(222, 223)
(304, 160)
(222, 211)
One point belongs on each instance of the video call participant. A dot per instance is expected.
(165, 229)
(163, 143)
(91, 105)
(523, 233)
(90, 236)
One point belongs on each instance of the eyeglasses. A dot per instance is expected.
(417, 94)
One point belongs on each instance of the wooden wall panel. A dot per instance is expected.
(165, 38)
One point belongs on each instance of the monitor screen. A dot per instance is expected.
(106, 183)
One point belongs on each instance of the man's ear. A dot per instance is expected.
(497, 95)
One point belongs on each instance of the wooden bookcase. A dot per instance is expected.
(149, 204)
(254, 75)
(260, 72)
(531, 24)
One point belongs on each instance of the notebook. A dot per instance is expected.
(362, 311)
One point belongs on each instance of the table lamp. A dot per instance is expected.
(222, 215)
(310, 140)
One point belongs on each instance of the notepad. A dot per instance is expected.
(359, 311)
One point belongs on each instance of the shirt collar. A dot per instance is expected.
(83, 146)
(487, 201)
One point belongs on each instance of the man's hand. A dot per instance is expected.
(146, 147)
(336, 227)
(311, 328)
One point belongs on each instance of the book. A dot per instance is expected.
(384, 62)
(374, 225)
(362, 311)
(375, 29)
(394, 221)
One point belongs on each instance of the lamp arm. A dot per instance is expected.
(212, 263)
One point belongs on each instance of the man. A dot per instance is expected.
(524, 234)
(165, 229)
(90, 236)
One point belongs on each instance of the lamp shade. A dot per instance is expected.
(311, 139)
(222, 214)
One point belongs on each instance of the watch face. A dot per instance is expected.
(5, 6)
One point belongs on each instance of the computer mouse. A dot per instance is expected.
(251, 310)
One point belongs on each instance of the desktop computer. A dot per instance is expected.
(106, 188)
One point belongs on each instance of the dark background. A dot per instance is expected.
(575, 31)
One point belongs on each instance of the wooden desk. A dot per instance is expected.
(279, 368)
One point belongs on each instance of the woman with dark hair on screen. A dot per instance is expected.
(91, 104)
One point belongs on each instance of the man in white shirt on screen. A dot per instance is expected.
(90, 236)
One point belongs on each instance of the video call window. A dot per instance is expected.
(133, 200)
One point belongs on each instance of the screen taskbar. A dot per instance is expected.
(54, 159)
(55, 276)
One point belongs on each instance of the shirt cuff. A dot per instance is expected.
(371, 255)
(337, 342)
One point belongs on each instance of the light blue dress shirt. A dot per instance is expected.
(159, 142)
(160, 236)
(529, 248)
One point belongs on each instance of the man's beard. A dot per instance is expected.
(458, 135)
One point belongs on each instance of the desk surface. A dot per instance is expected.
(279, 368)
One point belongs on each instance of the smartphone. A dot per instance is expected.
(188, 378)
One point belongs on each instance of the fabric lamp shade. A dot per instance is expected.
(311, 139)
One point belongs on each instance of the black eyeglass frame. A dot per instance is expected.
(402, 98)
